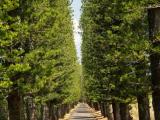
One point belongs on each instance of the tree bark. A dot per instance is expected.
(102, 109)
(46, 113)
(33, 114)
(116, 111)
(60, 112)
(14, 105)
(67, 108)
(109, 113)
(154, 30)
(31, 109)
(56, 112)
(3, 110)
(41, 112)
(124, 112)
(23, 109)
(143, 107)
(50, 111)
(89, 103)
(96, 106)
(63, 110)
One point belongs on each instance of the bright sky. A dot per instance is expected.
(76, 5)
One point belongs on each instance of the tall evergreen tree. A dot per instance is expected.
(115, 53)
(38, 59)
(154, 29)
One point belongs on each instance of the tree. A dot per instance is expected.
(115, 53)
(153, 17)
(38, 58)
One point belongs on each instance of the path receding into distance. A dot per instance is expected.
(82, 112)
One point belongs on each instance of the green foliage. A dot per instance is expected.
(115, 49)
(37, 51)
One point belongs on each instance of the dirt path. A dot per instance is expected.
(82, 112)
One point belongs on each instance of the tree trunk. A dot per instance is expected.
(23, 109)
(63, 110)
(105, 110)
(154, 30)
(56, 113)
(116, 111)
(96, 106)
(31, 109)
(46, 113)
(3, 115)
(102, 109)
(3, 110)
(143, 107)
(33, 114)
(41, 112)
(60, 112)
(124, 111)
(109, 113)
(14, 105)
(90, 103)
(67, 108)
(50, 110)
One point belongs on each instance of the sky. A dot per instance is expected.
(76, 6)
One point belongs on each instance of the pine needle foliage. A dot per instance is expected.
(115, 49)
(37, 51)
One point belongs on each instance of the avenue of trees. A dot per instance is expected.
(39, 72)
(120, 56)
(40, 78)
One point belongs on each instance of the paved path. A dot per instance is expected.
(82, 112)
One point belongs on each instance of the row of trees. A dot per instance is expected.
(39, 73)
(116, 56)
